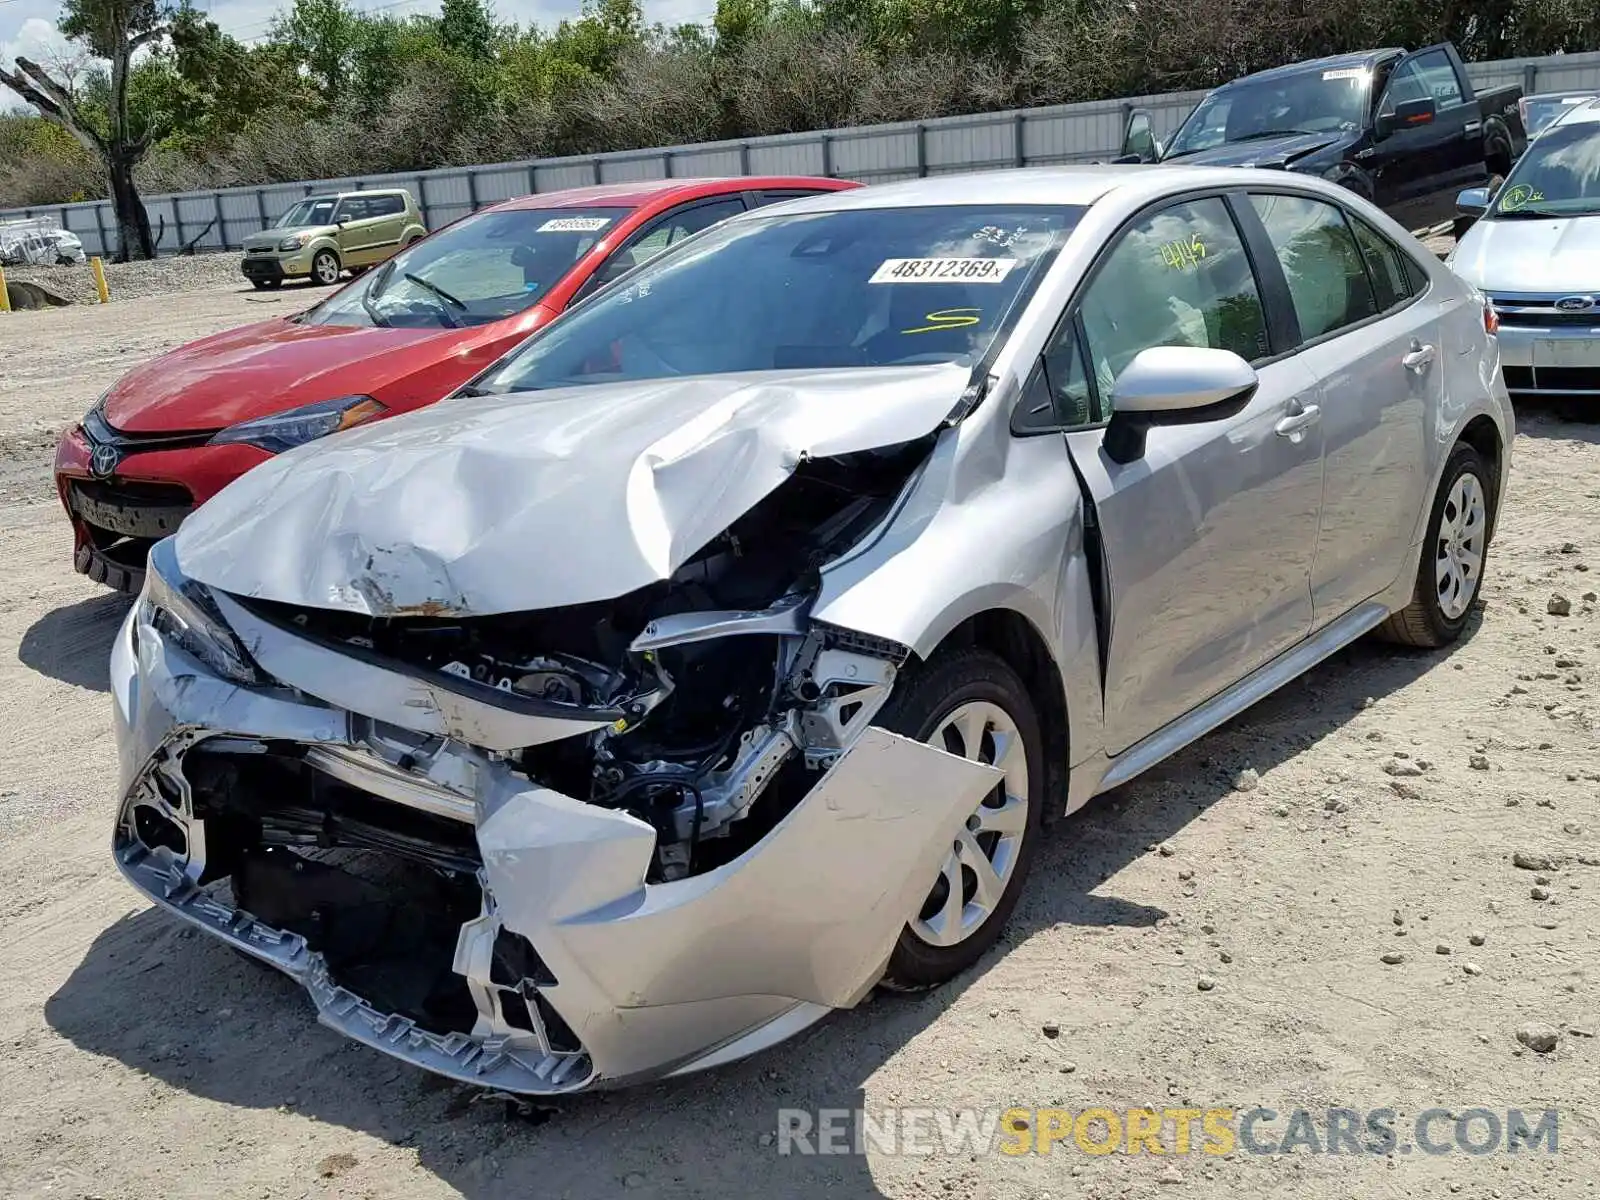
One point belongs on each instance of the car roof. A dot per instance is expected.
(353, 192)
(1587, 113)
(1364, 59)
(1066, 185)
(639, 192)
(1026, 185)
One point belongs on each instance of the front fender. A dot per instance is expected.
(990, 523)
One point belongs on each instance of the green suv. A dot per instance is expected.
(322, 236)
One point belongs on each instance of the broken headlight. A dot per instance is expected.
(286, 430)
(180, 609)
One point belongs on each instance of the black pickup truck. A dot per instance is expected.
(1405, 130)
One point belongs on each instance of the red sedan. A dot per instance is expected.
(173, 432)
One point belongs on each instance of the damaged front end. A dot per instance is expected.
(549, 850)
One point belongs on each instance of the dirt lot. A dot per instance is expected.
(1393, 791)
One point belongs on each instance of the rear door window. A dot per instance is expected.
(1323, 266)
(1386, 266)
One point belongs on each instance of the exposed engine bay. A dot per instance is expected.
(720, 701)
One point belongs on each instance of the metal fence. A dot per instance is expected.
(872, 154)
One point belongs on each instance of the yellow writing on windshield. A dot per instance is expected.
(948, 318)
(1180, 254)
(1520, 196)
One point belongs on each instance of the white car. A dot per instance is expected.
(1535, 251)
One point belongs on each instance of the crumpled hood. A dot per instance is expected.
(507, 503)
(260, 369)
(1554, 256)
(1259, 152)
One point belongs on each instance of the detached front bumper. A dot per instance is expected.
(615, 980)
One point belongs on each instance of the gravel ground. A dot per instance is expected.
(137, 280)
(1319, 905)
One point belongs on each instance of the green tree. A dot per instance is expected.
(113, 30)
(467, 28)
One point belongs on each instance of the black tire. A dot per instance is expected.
(1423, 621)
(260, 285)
(325, 268)
(925, 695)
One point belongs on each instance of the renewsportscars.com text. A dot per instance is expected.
(1167, 1131)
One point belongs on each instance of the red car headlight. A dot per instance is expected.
(286, 430)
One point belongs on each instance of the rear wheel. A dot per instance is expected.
(971, 704)
(325, 268)
(1450, 572)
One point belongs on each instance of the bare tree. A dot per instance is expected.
(113, 30)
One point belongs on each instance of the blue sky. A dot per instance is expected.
(27, 27)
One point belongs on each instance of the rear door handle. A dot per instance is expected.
(1419, 357)
(1296, 423)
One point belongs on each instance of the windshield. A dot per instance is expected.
(1558, 176)
(857, 288)
(316, 211)
(1539, 111)
(483, 268)
(1314, 102)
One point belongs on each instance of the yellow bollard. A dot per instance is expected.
(100, 279)
(5, 296)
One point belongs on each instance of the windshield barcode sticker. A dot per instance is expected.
(575, 225)
(943, 270)
(1346, 73)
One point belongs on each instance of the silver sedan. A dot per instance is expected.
(721, 652)
(1536, 253)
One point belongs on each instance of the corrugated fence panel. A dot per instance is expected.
(633, 168)
(786, 158)
(1070, 133)
(869, 157)
(557, 176)
(708, 163)
(970, 145)
(494, 184)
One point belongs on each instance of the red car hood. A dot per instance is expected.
(261, 369)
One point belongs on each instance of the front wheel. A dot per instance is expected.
(1450, 573)
(972, 704)
(325, 268)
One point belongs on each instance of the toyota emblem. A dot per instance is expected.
(104, 461)
(1575, 303)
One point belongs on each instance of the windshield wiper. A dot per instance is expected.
(1266, 133)
(373, 314)
(1249, 137)
(1531, 213)
(435, 289)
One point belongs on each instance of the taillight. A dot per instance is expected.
(1491, 319)
(1522, 110)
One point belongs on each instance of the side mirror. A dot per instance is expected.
(1473, 202)
(1408, 114)
(1174, 385)
(1139, 139)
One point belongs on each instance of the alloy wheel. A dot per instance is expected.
(985, 853)
(1459, 553)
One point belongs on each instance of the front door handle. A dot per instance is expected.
(1295, 424)
(1419, 357)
